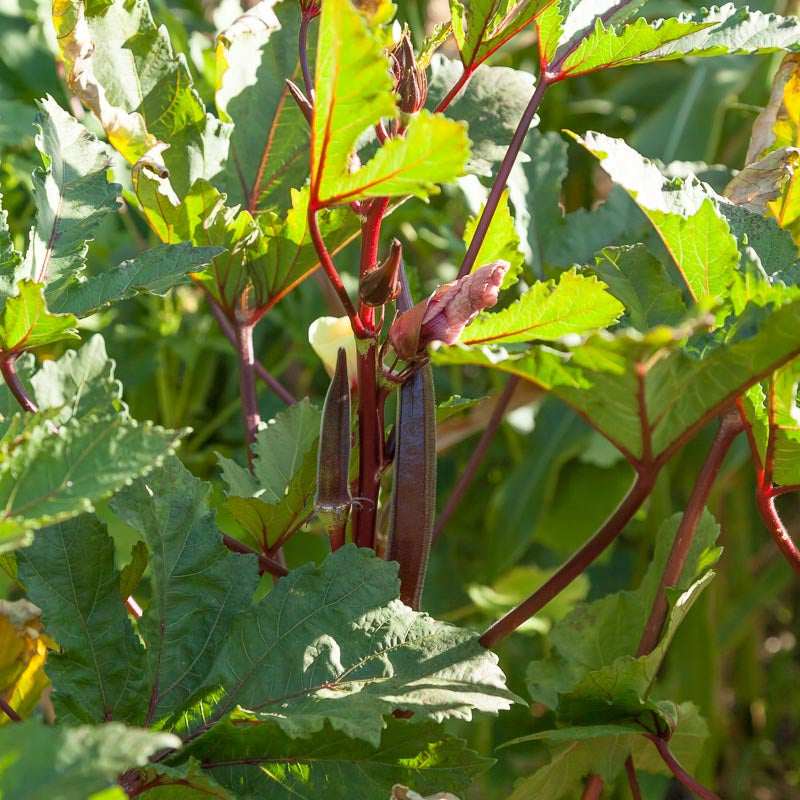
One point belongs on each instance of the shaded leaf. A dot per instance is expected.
(199, 587)
(10, 259)
(270, 138)
(131, 574)
(329, 764)
(63, 763)
(100, 673)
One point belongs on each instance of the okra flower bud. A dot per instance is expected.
(326, 335)
(445, 314)
(380, 285)
(410, 83)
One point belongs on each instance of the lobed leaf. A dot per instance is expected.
(63, 763)
(573, 304)
(269, 143)
(99, 674)
(26, 322)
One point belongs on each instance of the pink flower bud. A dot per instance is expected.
(445, 314)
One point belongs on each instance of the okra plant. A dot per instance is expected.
(218, 661)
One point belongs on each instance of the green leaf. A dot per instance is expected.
(332, 643)
(589, 642)
(329, 764)
(270, 139)
(638, 279)
(685, 215)
(62, 763)
(185, 782)
(123, 67)
(604, 376)
(131, 574)
(10, 259)
(199, 587)
(25, 321)
(607, 47)
(72, 196)
(278, 453)
(775, 423)
(353, 92)
(154, 271)
(491, 104)
(604, 755)
(575, 303)
(501, 241)
(485, 25)
(100, 673)
(50, 474)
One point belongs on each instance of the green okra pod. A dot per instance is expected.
(333, 499)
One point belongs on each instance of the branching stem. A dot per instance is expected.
(730, 426)
(611, 528)
(674, 766)
(265, 563)
(9, 712)
(8, 371)
(776, 528)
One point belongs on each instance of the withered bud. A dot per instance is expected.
(381, 284)
(445, 314)
(410, 83)
(301, 100)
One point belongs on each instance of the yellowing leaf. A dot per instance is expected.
(23, 650)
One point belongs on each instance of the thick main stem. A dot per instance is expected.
(247, 385)
(370, 424)
(468, 473)
(611, 528)
(499, 184)
(730, 426)
(593, 789)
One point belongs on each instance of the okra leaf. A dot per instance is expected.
(257, 758)
(199, 587)
(72, 196)
(25, 321)
(10, 259)
(52, 472)
(60, 762)
(100, 672)
(483, 26)
(124, 68)
(574, 303)
(270, 138)
(271, 252)
(491, 104)
(588, 642)
(353, 91)
(187, 781)
(278, 453)
(361, 655)
(154, 271)
(500, 243)
(639, 281)
(774, 418)
(604, 753)
(684, 213)
(646, 392)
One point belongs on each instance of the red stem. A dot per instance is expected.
(633, 781)
(457, 87)
(594, 788)
(499, 184)
(229, 333)
(468, 473)
(370, 422)
(247, 385)
(9, 373)
(9, 712)
(265, 563)
(333, 276)
(730, 426)
(611, 528)
(679, 772)
(766, 505)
